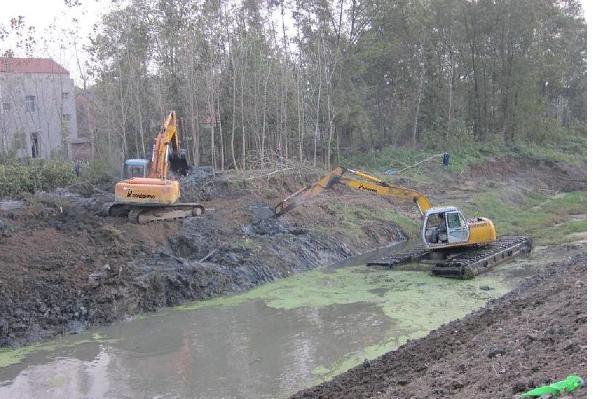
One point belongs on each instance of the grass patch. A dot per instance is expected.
(351, 220)
(409, 226)
(569, 147)
(548, 219)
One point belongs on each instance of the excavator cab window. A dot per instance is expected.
(135, 168)
(436, 228)
(453, 220)
(457, 230)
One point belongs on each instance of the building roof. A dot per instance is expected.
(31, 65)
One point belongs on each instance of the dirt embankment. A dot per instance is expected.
(532, 336)
(538, 174)
(63, 267)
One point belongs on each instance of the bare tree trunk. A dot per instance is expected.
(318, 104)
(124, 149)
(194, 122)
(211, 116)
(299, 124)
(140, 121)
(263, 132)
(450, 111)
(419, 100)
(219, 121)
(330, 129)
(243, 149)
(233, 117)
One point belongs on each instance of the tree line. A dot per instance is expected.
(316, 80)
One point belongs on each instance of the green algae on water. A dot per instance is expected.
(397, 292)
(9, 357)
(415, 302)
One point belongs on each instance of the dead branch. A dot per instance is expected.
(207, 256)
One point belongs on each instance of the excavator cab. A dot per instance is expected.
(135, 168)
(443, 226)
(141, 167)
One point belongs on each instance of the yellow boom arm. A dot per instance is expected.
(364, 182)
(159, 165)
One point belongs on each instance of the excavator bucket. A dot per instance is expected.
(178, 163)
(296, 199)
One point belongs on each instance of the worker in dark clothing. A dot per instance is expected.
(446, 159)
(77, 168)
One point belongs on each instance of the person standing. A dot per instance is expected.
(77, 168)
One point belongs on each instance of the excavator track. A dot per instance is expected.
(411, 255)
(143, 214)
(462, 264)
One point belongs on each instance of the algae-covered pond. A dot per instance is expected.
(268, 342)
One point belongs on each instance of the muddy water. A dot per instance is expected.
(268, 342)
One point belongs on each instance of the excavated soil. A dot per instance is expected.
(534, 335)
(538, 174)
(64, 267)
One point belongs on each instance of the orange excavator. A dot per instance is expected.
(455, 246)
(147, 193)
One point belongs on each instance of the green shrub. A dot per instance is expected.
(31, 175)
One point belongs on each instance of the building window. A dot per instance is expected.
(19, 141)
(34, 145)
(64, 95)
(65, 117)
(30, 105)
(6, 106)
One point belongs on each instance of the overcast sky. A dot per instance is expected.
(61, 31)
(53, 21)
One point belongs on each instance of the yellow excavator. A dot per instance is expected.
(147, 193)
(456, 247)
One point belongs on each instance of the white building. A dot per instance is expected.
(37, 108)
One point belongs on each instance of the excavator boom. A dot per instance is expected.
(365, 182)
(161, 158)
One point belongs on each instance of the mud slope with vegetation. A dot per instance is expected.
(65, 267)
(523, 339)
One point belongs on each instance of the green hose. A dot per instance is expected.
(566, 385)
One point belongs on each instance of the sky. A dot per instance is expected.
(61, 31)
(63, 39)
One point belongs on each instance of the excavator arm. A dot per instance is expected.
(363, 181)
(161, 158)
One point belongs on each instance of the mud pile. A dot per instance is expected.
(513, 344)
(65, 267)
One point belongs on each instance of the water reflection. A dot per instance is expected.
(249, 350)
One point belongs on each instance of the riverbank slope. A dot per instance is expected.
(534, 335)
